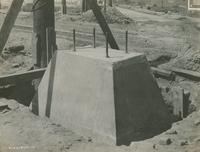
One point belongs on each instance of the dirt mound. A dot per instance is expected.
(112, 15)
(190, 60)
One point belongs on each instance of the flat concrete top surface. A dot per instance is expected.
(100, 54)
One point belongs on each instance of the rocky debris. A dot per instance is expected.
(112, 15)
(190, 60)
(23, 52)
(14, 49)
(171, 132)
(160, 60)
(89, 139)
(197, 122)
(80, 139)
(154, 146)
(177, 99)
(183, 142)
(165, 141)
(7, 105)
(192, 108)
(3, 106)
(16, 65)
(68, 146)
(1, 60)
(196, 140)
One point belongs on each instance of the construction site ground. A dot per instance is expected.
(171, 38)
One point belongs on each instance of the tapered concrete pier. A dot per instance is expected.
(113, 99)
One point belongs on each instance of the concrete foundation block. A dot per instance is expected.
(113, 99)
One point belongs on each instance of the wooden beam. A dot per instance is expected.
(9, 22)
(102, 22)
(169, 75)
(22, 77)
(192, 75)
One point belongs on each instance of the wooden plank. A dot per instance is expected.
(102, 22)
(169, 75)
(50, 85)
(22, 77)
(187, 73)
(49, 43)
(9, 22)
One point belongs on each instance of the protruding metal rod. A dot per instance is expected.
(74, 39)
(94, 34)
(107, 54)
(126, 41)
(47, 46)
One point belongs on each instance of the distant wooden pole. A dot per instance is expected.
(110, 3)
(126, 49)
(105, 1)
(64, 7)
(9, 21)
(74, 40)
(83, 6)
(94, 37)
(43, 18)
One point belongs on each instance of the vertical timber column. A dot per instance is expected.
(43, 18)
(85, 6)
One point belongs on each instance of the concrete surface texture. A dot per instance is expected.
(115, 99)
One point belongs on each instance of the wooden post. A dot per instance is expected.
(9, 21)
(105, 1)
(126, 48)
(74, 40)
(102, 22)
(85, 6)
(64, 7)
(43, 18)
(94, 37)
(110, 3)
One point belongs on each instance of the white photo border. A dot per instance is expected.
(193, 7)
